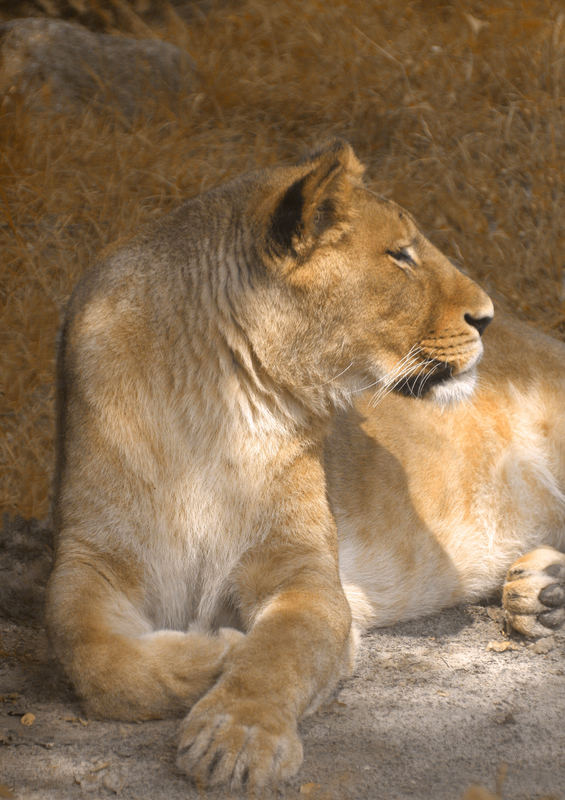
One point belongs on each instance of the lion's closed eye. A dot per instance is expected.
(403, 256)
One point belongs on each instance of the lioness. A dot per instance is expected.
(201, 369)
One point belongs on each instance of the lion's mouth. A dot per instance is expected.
(419, 385)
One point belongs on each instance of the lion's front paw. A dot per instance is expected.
(231, 637)
(534, 592)
(238, 742)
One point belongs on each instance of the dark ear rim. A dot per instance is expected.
(317, 200)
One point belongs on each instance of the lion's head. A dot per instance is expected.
(346, 291)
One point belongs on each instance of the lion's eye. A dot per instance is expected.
(402, 255)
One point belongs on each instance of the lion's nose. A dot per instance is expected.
(479, 323)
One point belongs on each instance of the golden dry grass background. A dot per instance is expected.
(456, 108)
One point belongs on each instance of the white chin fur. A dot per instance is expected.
(455, 390)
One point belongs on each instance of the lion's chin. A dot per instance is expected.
(454, 390)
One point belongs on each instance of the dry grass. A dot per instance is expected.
(455, 107)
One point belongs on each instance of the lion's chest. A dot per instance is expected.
(201, 531)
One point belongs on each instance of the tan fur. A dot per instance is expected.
(200, 370)
(434, 505)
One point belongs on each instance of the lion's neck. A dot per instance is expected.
(221, 366)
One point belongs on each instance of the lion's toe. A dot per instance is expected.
(534, 592)
(237, 743)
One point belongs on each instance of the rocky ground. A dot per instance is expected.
(436, 709)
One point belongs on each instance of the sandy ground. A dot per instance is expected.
(434, 706)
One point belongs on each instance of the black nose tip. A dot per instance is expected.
(479, 324)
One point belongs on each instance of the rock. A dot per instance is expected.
(66, 66)
(502, 647)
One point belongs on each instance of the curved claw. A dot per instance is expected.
(239, 743)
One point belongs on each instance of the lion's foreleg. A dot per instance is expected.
(120, 666)
(244, 731)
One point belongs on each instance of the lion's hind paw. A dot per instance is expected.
(534, 592)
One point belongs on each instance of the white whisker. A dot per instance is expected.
(404, 363)
(339, 374)
(330, 380)
(398, 374)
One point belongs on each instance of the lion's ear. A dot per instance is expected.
(316, 205)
